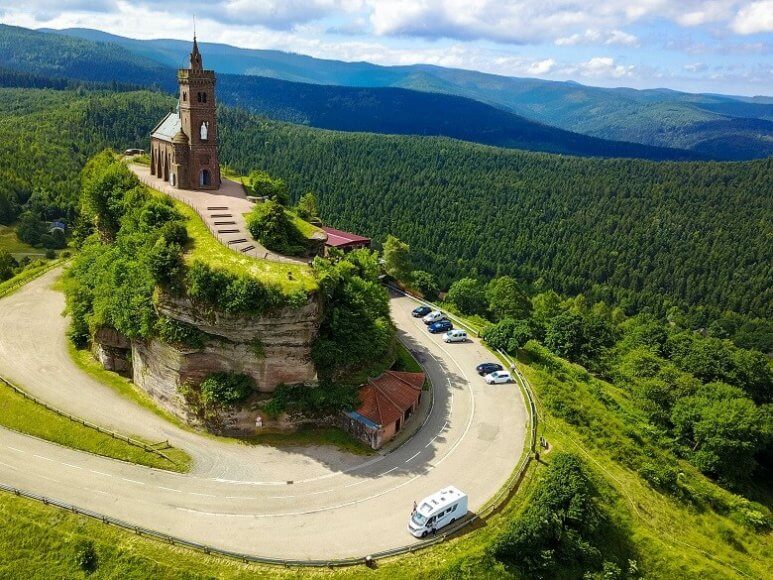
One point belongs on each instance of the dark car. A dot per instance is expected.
(440, 326)
(421, 311)
(488, 368)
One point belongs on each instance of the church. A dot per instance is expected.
(183, 146)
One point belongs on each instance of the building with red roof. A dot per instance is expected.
(386, 404)
(345, 241)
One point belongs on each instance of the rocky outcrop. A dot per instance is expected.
(272, 349)
(113, 350)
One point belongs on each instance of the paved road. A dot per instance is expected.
(238, 496)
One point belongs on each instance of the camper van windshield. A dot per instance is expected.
(419, 519)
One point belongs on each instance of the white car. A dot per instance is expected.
(498, 377)
(455, 335)
(434, 316)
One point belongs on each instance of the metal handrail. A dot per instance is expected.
(88, 424)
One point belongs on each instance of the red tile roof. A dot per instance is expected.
(385, 399)
(338, 238)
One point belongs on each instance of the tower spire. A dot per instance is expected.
(195, 54)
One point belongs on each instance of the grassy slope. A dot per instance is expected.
(670, 537)
(10, 243)
(204, 247)
(25, 416)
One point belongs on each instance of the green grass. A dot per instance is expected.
(699, 536)
(85, 361)
(10, 243)
(404, 360)
(20, 414)
(27, 275)
(307, 229)
(306, 437)
(206, 248)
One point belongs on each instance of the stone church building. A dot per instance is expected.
(183, 146)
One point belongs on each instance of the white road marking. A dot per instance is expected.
(100, 473)
(412, 456)
(41, 457)
(14, 449)
(133, 481)
(8, 466)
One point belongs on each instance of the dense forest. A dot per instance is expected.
(640, 234)
(637, 233)
(33, 56)
(729, 128)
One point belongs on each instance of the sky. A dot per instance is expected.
(720, 46)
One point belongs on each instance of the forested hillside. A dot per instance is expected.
(636, 233)
(663, 118)
(29, 56)
(627, 231)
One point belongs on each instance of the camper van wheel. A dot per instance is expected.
(452, 520)
(424, 534)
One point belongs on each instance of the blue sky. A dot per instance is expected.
(693, 45)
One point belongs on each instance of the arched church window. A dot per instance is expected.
(185, 97)
(204, 131)
(204, 97)
(198, 97)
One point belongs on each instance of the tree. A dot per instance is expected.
(425, 283)
(30, 229)
(263, 185)
(469, 296)
(546, 306)
(7, 207)
(268, 222)
(508, 334)
(722, 430)
(397, 258)
(565, 335)
(559, 529)
(506, 299)
(307, 207)
(7, 265)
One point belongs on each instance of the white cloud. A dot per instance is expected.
(592, 36)
(604, 67)
(754, 18)
(695, 67)
(541, 67)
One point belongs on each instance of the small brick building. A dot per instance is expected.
(386, 404)
(183, 146)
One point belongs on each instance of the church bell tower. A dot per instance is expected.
(198, 122)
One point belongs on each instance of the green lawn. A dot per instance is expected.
(20, 414)
(10, 243)
(206, 248)
(29, 274)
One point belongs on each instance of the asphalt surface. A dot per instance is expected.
(295, 503)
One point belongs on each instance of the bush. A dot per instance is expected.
(226, 389)
(560, 527)
(176, 332)
(325, 399)
(86, 557)
(269, 223)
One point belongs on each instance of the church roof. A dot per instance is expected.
(167, 128)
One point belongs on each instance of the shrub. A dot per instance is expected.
(425, 283)
(269, 223)
(226, 389)
(560, 526)
(86, 557)
(176, 332)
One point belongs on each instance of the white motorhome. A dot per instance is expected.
(436, 511)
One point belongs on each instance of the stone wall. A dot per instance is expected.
(273, 348)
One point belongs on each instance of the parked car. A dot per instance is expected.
(440, 326)
(433, 316)
(436, 511)
(498, 377)
(455, 335)
(421, 311)
(488, 368)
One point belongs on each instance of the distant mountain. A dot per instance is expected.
(378, 110)
(658, 117)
